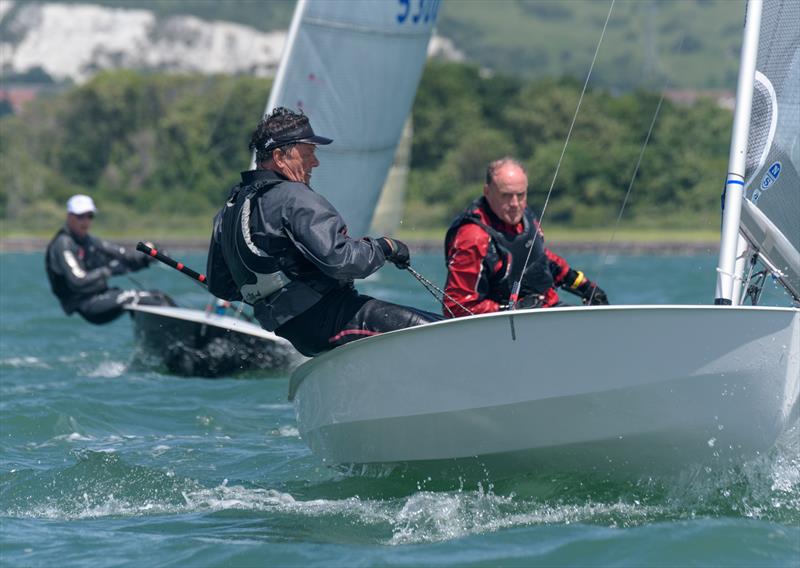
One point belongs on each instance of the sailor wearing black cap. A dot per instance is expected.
(283, 248)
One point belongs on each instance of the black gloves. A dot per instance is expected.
(591, 294)
(117, 268)
(537, 278)
(395, 252)
(138, 260)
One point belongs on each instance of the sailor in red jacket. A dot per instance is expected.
(486, 248)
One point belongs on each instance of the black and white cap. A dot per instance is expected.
(302, 133)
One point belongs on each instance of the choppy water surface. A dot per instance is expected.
(104, 465)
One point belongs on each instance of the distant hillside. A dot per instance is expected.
(74, 41)
(265, 15)
(651, 44)
(695, 43)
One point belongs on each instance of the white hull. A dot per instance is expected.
(641, 388)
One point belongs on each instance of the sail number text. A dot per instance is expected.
(416, 11)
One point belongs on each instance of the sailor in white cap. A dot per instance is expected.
(79, 266)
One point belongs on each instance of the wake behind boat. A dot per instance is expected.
(203, 343)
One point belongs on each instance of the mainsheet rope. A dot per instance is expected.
(437, 292)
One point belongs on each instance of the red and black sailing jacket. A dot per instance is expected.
(485, 257)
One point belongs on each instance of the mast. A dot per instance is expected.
(277, 84)
(734, 183)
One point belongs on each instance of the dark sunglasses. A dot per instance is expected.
(85, 216)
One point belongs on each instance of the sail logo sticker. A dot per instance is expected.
(421, 11)
(770, 177)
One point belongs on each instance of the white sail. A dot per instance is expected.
(771, 211)
(353, 66)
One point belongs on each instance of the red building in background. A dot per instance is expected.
(17, 96)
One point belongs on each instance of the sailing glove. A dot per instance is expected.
(530, 301)
(591, 294)
(395, 252)
(137, 260)
(537, 278)
(117, 268)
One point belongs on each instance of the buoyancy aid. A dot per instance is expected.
(256, 273)
(275, 278)
(503, 263)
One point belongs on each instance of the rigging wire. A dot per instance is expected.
(607, 250)
(518, 284)
(754, 284)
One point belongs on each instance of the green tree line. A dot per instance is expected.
(160, 151)
(463, 119)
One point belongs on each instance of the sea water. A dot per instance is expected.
(102, 464)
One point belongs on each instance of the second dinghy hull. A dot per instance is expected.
(648, 389)
(197, 343)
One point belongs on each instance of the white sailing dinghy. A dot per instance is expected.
(658, 388)
(191, 342)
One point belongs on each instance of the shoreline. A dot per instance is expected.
(38, 244)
